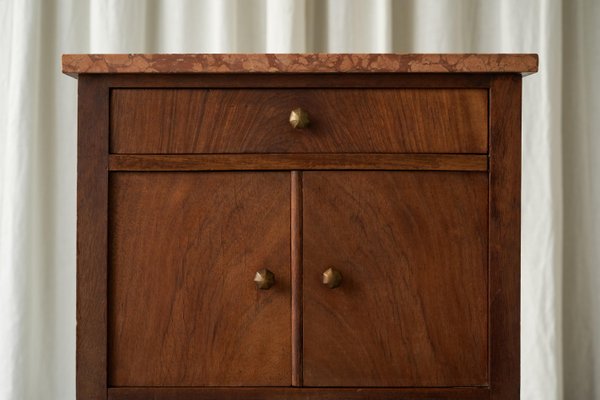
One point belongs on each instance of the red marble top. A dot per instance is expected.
(74, 64)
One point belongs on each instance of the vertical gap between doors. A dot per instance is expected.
(296, 266)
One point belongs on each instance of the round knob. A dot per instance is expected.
(264, 279)
(299, 118)
(332, 278)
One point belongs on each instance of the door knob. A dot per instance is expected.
(299, 118)
(264, 279)
(332, 278)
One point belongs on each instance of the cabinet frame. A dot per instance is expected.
(504, 170)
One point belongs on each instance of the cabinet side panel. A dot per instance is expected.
(92, 163)
(505, 235)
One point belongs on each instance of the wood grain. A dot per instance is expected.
(92, 193)
(431, 260)
(296, 271)
(267, 393)
(505, 236)
(160, 121)
(412, 307)
(184, 310)
(237, 162)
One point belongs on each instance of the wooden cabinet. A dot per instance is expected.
(385, 227)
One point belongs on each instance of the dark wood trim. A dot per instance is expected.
(504, 236)
(240, 162)
(267, 393)
(92, 195)
(296, 256)
(411, 80)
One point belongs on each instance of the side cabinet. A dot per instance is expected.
(279, 227)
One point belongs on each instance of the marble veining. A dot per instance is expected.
(74, 64)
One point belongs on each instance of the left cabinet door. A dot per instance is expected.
(183, 308)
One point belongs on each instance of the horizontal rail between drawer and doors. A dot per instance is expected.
(242, 162)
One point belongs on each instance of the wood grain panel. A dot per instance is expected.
(505, 237)
(238, 162)
(160, 121)
(184, 310)
(412, 308)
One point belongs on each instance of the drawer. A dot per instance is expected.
(163, 121)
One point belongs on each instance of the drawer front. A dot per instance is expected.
(411, 309)
(183, 307)
(163, 121)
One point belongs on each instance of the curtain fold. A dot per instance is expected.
(581, 191)
(561, 188)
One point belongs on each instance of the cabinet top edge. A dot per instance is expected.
(75, 64)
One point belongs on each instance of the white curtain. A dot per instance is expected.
(561, 167)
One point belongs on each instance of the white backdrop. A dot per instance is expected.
(561, 182)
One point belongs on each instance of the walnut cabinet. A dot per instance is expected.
(298, 226)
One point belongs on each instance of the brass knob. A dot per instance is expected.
(264, 279)
(332, 278)
(299, 118)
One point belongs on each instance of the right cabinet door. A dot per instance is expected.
(412, 307)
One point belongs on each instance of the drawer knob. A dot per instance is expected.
(332, 278)
(299, 118)
(264, 279)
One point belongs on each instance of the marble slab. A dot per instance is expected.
(75, 64)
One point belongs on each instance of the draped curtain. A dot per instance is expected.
(561, 172)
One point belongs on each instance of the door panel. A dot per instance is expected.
(183, 307)
(412, 306)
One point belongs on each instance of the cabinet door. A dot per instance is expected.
(183, 307)
(412, 306)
